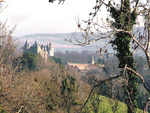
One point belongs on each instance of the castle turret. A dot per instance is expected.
(26, 43)
(36, 51)
(36, 44)
(92, 60)
(26, 47)
(50, 49)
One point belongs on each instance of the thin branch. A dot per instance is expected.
(136, 4)
(108, 5)
(140, 77)
(132, 38)
(88, 97)
(89, 41)
(148, 27)
(99, 83)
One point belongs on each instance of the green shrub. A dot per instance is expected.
(28, 61)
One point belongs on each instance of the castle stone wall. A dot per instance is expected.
(44, 51)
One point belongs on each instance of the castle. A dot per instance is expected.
(44, 51)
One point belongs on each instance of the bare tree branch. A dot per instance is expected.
(146, 104)
(99, 84)
(127, 68)
(140, 78)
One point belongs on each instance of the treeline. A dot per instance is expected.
(77, 57)
(74, 56)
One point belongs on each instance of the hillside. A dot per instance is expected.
(39, 91)
(53, 88)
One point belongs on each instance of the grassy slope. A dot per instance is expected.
(106, 107)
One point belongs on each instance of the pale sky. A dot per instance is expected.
(40, 16)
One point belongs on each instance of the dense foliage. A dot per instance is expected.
(28, 61)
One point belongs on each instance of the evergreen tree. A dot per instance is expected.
(29, 61)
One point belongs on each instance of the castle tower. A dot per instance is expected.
(26, 44)
(36, 50)
(36, 44)
(26, 47)
(50, 49)
(92, 60)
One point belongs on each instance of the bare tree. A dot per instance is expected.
(7, 55)
(120, 33)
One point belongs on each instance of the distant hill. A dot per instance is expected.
(59, 42)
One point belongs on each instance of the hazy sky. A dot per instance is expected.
(40, 16)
